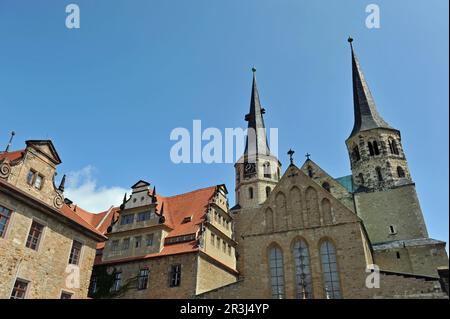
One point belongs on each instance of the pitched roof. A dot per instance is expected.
(176, 208)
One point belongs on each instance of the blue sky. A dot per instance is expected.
(109, 94)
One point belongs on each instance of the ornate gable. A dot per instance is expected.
(297, 202)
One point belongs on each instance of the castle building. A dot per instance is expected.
(167, 247)
(46, 249)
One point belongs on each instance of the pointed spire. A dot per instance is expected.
(63, 182)
(124, 198)
(154, 199)
(256, 142)
(162, 219)
(366, 114)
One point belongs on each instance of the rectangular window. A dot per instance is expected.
(224, 246)
(30, 177)
(5, 215)
(149, 240)
(229, 250)
(213, 239)
(137, 241)
(38, 181)
(117, 281)
(115, 245)
(66, 295)
(127, 219)
(126, 244)
(144, 216)
(175, 275)
(34, 237)
(20, 289)
(75, 253)
(143, 279)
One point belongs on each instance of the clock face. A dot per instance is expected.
(249, 169)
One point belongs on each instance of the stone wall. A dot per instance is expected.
(45, 269)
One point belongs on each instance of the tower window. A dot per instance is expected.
(268, 190)
(379, 174)
(400, 172)
(267, 172)
(376, 150)
(398, 255)
(355, 154)
(371, 152)
(326, 186)
(393, 146)
(175, 276)
(250, 192)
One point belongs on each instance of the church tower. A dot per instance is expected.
(376, 154)
(384, 193)
(257, 170)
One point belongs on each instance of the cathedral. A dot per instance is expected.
(294, 233)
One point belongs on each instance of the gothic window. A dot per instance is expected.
(268, 190)
(310, 172)
(326, 186)
(379, 174)
(250, 192)
(371, 152)
(330, 271)
(376, 150)
(302, 270)
(400, 172)
(276, 272)
(267, 172)
(355, 153)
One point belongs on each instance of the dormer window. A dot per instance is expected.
(35, 179)
(187, 219)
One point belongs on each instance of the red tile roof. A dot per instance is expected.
(176, 208)
(12, 156)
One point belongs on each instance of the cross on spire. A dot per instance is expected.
(307, 155)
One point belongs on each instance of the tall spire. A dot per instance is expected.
(366, 114)
(256, 142)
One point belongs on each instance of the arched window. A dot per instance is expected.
(393, 146)
(278, 173)
(330, 271)
(250, 192)
(355, 153)
(400, 172)
(302, 270)
(326, 186)
(371, 152)
(276, 272)
(268, 190)
(267, 172)
(379, 174)
(376, 150)
(310, 172)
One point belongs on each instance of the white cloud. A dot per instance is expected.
(82, 189)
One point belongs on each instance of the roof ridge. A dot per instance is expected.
(191, 192)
